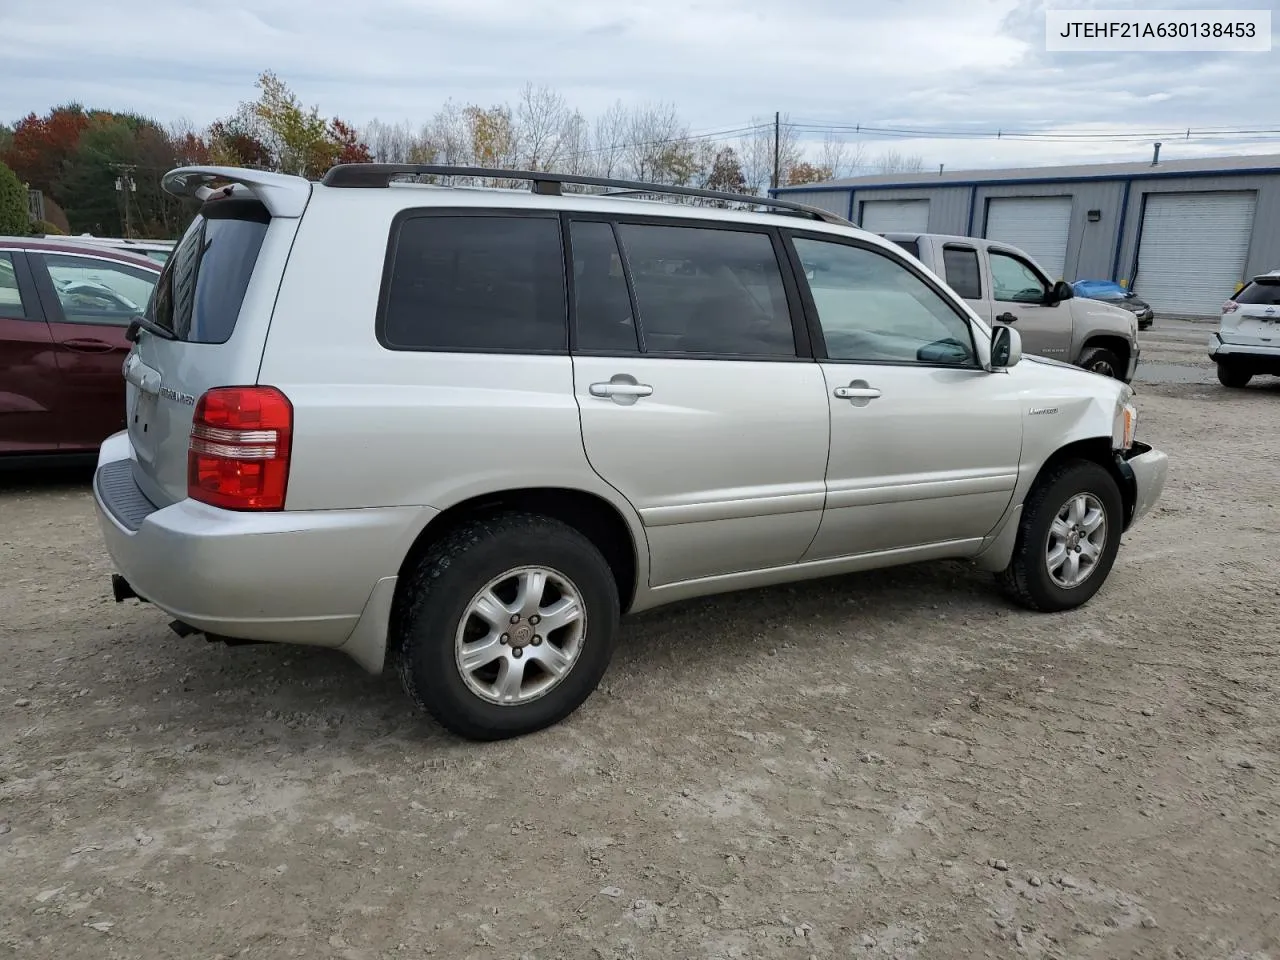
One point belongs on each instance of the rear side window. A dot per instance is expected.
(1264, 294)
(602, 303)
(97, 291)
(203, 284)
(708, 292)
(476, 283)
(963, 276)
(10, 295)
(910, 246)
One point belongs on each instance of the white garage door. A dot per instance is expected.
(895, 216)
(1193, 250)
(1038, 225)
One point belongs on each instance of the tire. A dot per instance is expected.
(431, 626)
(1101, 361)
(1027, 579)
(1233, 377)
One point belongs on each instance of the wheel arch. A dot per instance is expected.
(1116, 344)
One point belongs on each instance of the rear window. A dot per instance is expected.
(204, 281)
(1265, 293)
(963, 276)
(481, 283)
(910, 246)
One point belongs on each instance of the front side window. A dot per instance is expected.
(1014, 281)
(476, 283)
(872, 309)
(99, 291)
(963, 275)
(712, 292)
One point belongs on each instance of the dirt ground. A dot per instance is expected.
(887, 765)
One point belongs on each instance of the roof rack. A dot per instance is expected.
(549, 184)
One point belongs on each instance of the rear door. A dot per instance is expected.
(214, 298)
(698, 400)
(1020, 297)
(29, 378)
(89, 302)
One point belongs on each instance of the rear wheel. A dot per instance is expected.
(507, 626)
(1068, 538)
(1102, 361)
(1233, 376)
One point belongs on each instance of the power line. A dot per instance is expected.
(1262, 134)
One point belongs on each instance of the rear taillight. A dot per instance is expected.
(238, 457)
(1230, 307)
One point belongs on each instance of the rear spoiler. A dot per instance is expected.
(281, 194)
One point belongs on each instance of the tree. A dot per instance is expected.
(15, 218)
(805, 172)
(542, 127)
(41, 145)
(841, 158)
(757, 149)
(349, 147)
(725, 173)
(297, 136)
(892, 161)
(6, 138)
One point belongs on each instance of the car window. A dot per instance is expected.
(99, 291)
(708, 292)
(477, 283)
(1263, 294)
(10, 295)
(1014, 280)
(204, 282)
(963, 275)
(603, 304)
(873, 309)
(910, 246)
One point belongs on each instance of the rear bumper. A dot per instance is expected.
(1250, 353)
(289, 577)
(1146, 469)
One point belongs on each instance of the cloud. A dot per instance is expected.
(905, 63)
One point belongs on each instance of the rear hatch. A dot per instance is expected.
(204, 327)
(1253, 314)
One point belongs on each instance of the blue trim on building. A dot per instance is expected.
(850, 217)
(1014, 182)
(1124, 213)
(973, 202)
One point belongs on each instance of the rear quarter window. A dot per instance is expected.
(475, 283)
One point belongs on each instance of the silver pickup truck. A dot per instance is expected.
(1007, 287)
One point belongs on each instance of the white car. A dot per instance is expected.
(523, 413)
(1247, 343)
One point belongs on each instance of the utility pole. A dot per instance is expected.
(777, 149)
(126, 187)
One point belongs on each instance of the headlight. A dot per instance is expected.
(1125, 427)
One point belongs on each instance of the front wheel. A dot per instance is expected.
(507, 626)
(1101, 361)
(1068, 538)
(1233, 377)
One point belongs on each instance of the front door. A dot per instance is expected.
(29, 381)
(92, 303)
(695, 401)
(1020, 296)
(924, 442)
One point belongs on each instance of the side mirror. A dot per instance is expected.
(1006, 348)
(1061, 291)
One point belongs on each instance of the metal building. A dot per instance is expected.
(1182, 233)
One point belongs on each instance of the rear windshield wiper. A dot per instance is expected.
(142, 323)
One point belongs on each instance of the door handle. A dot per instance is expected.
(856, 393)
(621, 390)
(87, 345)
(1006, 317)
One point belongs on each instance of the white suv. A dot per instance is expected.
(1247, 342)
(459, 430)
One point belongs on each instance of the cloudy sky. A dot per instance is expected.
(935, 64)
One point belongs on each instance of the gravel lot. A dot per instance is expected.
(887, 765)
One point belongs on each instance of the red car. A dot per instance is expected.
(64, 311)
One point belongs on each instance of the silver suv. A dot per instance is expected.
(458, 431)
